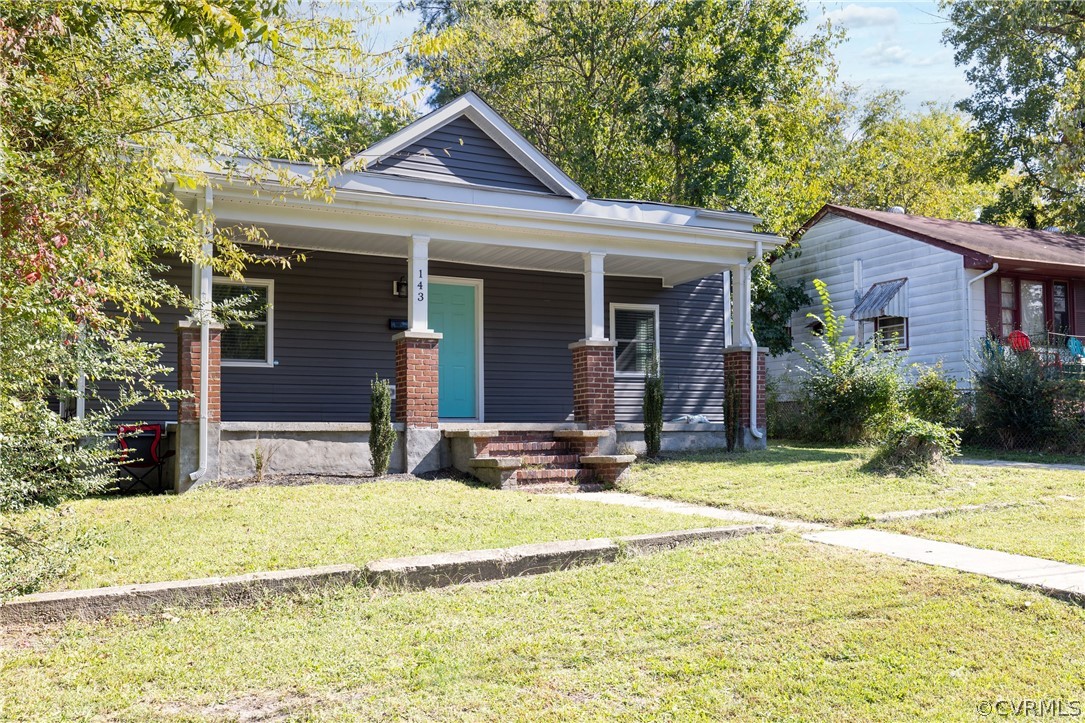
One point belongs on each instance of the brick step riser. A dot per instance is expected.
(550, 475)
(570, 461)
(566, 488)
(519, 449)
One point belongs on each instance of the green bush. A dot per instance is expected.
(850, 392)
(914, 445)
(653, 409)
(382, 436)
(1023, 403)
(934, 396)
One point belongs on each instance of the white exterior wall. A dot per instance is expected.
(935, 291)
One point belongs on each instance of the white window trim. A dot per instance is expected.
(270, 285)
(654, 308)
(480, 371)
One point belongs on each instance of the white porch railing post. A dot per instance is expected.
(594, 307)
(418, 283)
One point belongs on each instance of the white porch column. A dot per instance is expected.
(740, 305)
(418, 283)
(728, 322)
(594, 308)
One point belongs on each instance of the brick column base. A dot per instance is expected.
(736, 376)
(416, 378)
(187, 441)
(416, 399)
(593, 383)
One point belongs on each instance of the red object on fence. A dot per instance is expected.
(1019, 340)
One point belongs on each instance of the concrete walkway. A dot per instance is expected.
(1017, 465)
(1057, 579)
(683, 508)
(1053, 578)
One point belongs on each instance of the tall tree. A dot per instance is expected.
(98, 99)
(1025, 60)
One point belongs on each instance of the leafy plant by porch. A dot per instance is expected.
(217, 531)
(768, 627)
(382, 437)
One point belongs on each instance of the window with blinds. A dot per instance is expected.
(635, 329)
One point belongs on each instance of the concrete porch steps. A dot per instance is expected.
(559, 460)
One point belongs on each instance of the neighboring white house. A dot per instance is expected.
(935, 286)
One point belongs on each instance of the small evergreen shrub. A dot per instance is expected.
(653, 409)
(934, 397)
(732, 401)
(915, 446)
(382, 437)
(850, 392)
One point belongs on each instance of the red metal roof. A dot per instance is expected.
(981, 244)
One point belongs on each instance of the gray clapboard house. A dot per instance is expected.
(515, 315)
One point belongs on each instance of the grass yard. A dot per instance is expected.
(217, 531)
(1054, 530)
(829, 484)
(751, 629)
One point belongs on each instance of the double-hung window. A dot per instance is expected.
(892, 332)
(249, 341)
(635, 329)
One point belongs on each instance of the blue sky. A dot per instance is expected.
(894, 45)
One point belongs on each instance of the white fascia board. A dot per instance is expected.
(365, 213)
(496, 127)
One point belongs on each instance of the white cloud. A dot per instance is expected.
(887, 52)
(863, 16)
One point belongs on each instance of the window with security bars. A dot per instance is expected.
(635, 330)
(247, 341)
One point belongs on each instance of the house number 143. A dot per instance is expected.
(421, 287)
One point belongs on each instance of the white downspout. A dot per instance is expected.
(968, 309)
(204, 207)
(748, 301)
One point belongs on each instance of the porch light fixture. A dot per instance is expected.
(399, 288)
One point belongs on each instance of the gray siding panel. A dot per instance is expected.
(460, 151)
(331, 336)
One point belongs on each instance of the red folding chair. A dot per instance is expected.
(141, 455)
(1019, 340)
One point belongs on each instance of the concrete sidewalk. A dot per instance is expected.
(1053, 578)
(683, 508)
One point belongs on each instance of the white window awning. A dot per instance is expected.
(885, 298)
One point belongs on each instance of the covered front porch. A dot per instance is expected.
(459, 262)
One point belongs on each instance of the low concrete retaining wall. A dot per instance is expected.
(426, 571)
(676, 437)
(299, 448)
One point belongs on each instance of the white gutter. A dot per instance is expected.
(968, 308)
(748, 301)
(204, 207)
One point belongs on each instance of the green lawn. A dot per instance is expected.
(829, 484)
(765, 627)
(1054, 530)
(218, 531)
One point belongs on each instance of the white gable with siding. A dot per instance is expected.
(850, 257)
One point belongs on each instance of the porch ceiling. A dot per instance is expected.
(671, 272)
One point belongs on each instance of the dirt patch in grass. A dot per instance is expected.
(301, 480)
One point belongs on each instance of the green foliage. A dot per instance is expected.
(688, 103)
(382, 436)
(916, 446)
(1025, 61)
(101, 100)
(36, 549)
(653, 408)
(732, 402)
(934, 397)
(1023, 403)
(850, 392)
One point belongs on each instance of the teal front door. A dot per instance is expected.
(452, 313)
